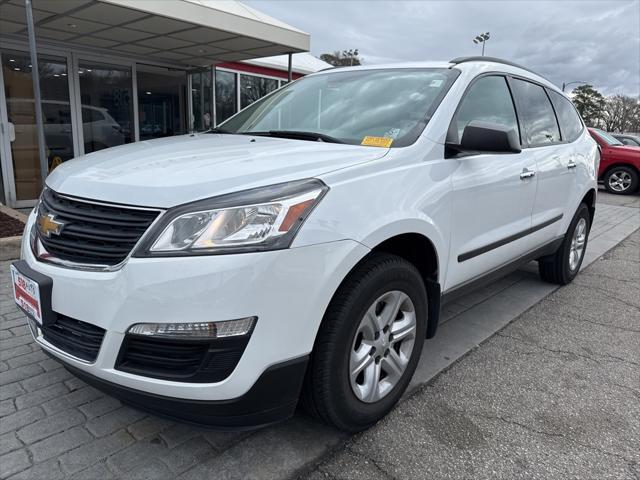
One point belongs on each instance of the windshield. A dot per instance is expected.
(608, 138)
(387, 107)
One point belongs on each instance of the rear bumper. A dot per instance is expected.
(272, 398)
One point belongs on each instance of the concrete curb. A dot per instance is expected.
(13, 213)
(10, 246)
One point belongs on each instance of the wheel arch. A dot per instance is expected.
(590, 200)
(420, 251)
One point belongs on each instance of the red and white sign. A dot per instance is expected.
(26, 294)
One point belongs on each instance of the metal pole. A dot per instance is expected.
(35, 74)
(563, 85)
(483, 42)
(214, 118)
(290, 70)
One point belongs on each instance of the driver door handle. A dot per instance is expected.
(571, 164)
(526, 173)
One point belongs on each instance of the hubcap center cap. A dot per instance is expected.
(382, 343)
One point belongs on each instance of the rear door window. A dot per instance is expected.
(488, 100)
(536, 114)
(570, 122)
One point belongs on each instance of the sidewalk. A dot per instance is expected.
(555, 394)
(54, 426)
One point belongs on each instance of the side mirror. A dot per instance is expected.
(484, 137)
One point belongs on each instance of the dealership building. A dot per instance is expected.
(118, 71)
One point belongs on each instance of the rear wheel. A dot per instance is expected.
(369, 344)
(564, 265)
(621, 180)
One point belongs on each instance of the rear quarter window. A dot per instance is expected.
(570, 122)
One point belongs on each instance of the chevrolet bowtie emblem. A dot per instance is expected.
(48, 225)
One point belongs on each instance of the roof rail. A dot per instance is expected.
(491, 59)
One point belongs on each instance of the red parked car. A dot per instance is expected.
(619, 163)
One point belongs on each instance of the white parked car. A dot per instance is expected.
(303, 249)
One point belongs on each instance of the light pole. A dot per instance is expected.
(482, 38)
(570, 83)
(350, 54)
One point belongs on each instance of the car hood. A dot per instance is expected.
(171, 171)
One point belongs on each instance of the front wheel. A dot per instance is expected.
(563, 266)
(368, 345)
(621, 180)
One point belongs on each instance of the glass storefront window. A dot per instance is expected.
(107, 112)
(226, 95)
(162, 102)
(253, 88)
(201, 97)
(56, 112)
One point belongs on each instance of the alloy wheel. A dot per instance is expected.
(577, 244)
(620, 181)
(382, 346)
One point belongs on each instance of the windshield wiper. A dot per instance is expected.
(298, 135)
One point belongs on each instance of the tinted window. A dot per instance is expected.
(57, 113)
(629, 141)
(570, 122)
(109, 90)
(226, 98)
(253, 88)
(162, 101)
(90, 115)
(487, 100)
(540, 125)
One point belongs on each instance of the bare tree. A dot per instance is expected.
(620, 113)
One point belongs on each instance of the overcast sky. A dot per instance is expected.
(593, 41)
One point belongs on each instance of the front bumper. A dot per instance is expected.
(288, 290)
(271, 399)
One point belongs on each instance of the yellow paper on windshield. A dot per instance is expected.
(384, 142)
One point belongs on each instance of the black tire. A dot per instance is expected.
(327, 391)
(621, 172)
(556, 268)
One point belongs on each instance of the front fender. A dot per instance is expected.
(391, 226)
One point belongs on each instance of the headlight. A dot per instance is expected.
(253, 220)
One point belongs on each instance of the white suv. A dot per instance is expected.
(303, 249)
